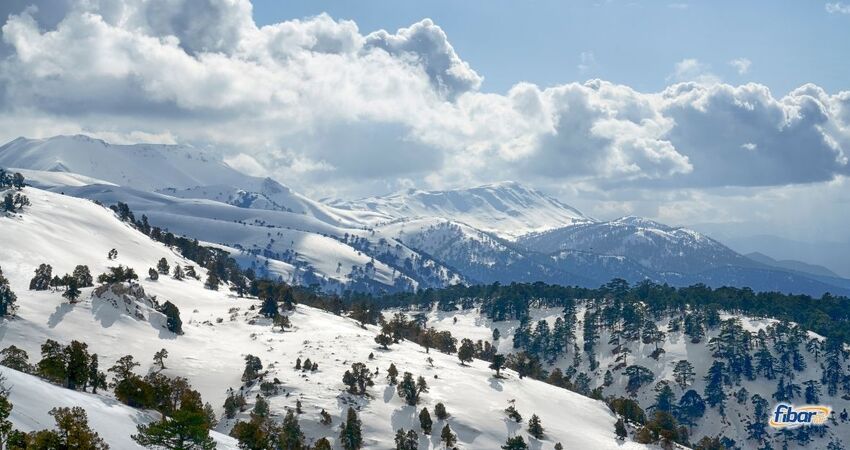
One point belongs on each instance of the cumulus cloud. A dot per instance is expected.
(308, 99)
(428, 46)
(741, 65)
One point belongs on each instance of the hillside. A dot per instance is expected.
(220, 329)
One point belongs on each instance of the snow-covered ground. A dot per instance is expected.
(221, 329)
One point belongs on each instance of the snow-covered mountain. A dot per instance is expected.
(655, 246)
(499, 232)
(507, 209)
(221, 329)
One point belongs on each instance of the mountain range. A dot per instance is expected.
(500, 232)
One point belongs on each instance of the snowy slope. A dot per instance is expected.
(507, 209)
(655, 246)
(472, 323)
(32, 400)
(65, 231)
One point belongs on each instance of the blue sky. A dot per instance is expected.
(789, 42)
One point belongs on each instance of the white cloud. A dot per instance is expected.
(837, 8)
(382, 110)
(691, 69)
(741, 65)
(587, 61)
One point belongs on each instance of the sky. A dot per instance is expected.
(731, 117)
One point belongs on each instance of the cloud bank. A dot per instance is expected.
(317, 99)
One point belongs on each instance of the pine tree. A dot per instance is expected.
(253, 366)
(83, 276)
(447, 437)
(638, 377)
(77, 365)
(664, 398)
(187, 429)
(515, 443)
(72, 432)
(41, 280)
(15, 358)
(410, 390)
(162, 266)
(497, 364)
(350, 436)
(52, 365)
(683, 373)
(392, 373)
(72, 293)
(97, 379)
(466, 351)
(6, 427)
(178, 274)
(535, 428)
(153, 274)
(212, 282)
(322, 444)
(384, 340)
(159, 358)
(406, 440)
(714, 381)
(440, 411)
(7, 297)
(269, 308)
(291, 436)
(325, 418)
(425, 421)
(358, 379)
(691, 407)
(172, 317)
(620, 429)
(112, 254)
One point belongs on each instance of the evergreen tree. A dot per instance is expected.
(41, 280)
(440, 411)
(112, 254)
(325, 418)
(683, 373)
(6, 427)
(447, 437)
(714, 381)
(178, 273)
(187, 429)
(358, 379)
(466, 351)
(410, 390)
(812, 391)
(425, 421)
(691, 407)
(392, 373)
(83, 276)
(269, 308)
(97, 379)
(15, 358)
(406, 440)
(322, 444)
(72, 293)
(535, 427)
(72, 432)
(291, 436)
(77, 365)
(350, 434)
(162, 266)
(497, 363)
(7, 297)
(638, 377)
(172, 317)
(664, 398)
(384, 340)
(515, 443)
(253, 366)
(620, 429)
(212, 282)
(153, 274)
(52, 365)
(159, 358)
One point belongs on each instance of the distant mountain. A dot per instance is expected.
(653, 245)
(507, 209)
(792, 265)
